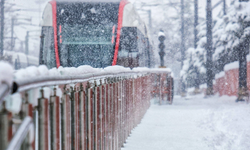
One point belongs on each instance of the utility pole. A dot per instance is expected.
(27, 43)
(224, 7)
(2, 29)
(182, 33)
(12, 33)
(243, 49)
(209, 48)
(195, 23)
(197, 77)
(182, 45)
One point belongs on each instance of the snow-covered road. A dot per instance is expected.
(194, 124)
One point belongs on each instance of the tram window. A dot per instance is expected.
(87, 35)
(98, 56)
(47, 52)
(129, 39)
(87, 45)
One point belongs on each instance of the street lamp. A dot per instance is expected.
(161, 38)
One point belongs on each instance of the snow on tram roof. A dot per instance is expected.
(88, 1)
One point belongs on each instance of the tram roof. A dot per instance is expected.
(92, 1)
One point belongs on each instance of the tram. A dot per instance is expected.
(94, 32)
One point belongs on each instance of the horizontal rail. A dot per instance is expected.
(26, 84)
(35, 82)
(26, 127)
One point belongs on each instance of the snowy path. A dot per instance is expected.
(194, 124)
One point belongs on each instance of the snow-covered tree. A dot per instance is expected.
(231, 36)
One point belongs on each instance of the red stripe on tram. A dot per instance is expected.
(53, 3)
(120, 17)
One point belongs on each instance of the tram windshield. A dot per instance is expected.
(87, 45)
(87, 33)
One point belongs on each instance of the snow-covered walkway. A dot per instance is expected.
(194, 124)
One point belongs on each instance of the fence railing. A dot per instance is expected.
(94, 111)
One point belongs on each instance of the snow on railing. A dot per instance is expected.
(80, 108)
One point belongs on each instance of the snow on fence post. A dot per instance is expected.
(232, 78)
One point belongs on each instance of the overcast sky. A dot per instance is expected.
(156, 11)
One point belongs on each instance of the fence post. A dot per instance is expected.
(127, 106)
(90, 118)
(134, 99)
(161, 86)
(43, 117)
(88, 125)
(103, 99)
(26, 110)
(123, 111)
(108, 124)
(5, 127)
(65, 121)
(116, 114)
(131, 105)
(83, 127)
(112, 114)
(75, 113)
(120, 112)
(55, 121)
(97, 116)
(171, 90)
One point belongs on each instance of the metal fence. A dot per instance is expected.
(92, 112)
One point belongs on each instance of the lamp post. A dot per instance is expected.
(161, 37)
(209, 48)
(2, 29)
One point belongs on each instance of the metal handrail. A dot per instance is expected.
(21, 134)
(31, 83)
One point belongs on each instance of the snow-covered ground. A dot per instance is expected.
(194, 124)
